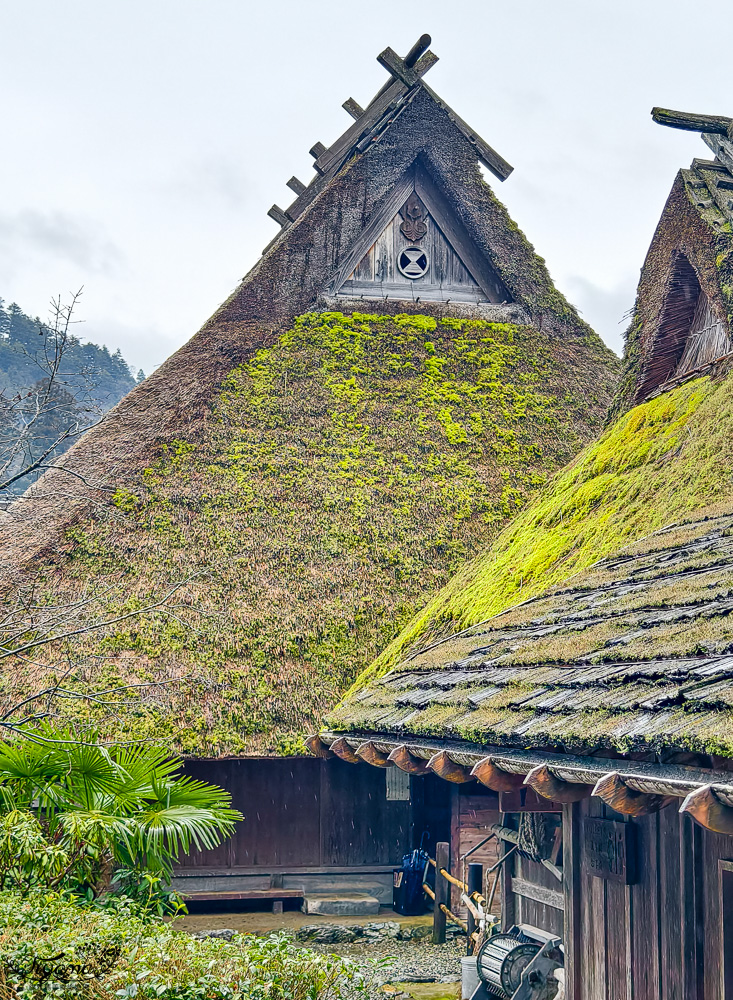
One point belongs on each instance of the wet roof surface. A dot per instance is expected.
(634, 653)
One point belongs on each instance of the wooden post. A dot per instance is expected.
(442, 886)
(475, 882)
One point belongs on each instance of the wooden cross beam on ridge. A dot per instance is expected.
(716, 130)
(715, 124)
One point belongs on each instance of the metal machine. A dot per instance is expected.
(518, 965)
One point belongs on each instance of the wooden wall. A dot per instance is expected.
(474, 809)
(304, 812)
(660, 938)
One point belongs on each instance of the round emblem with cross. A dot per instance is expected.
(413, 262)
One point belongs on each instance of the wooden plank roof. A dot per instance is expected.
(636, 653)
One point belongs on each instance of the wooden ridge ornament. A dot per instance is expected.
(442, 765)
(706, 809)
(614, 791)
(495, 777)
(368, 752)
(343, 750)
(413, 226)
(318, 748)
(407, 761)
(547, 784)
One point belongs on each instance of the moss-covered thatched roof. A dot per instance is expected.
(634, 651)
(346, 472)
(294, 482)
(599, 616)
(692, 250)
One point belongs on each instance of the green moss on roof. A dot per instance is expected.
(345, 473)
(658, 462)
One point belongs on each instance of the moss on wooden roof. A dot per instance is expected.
(600, 617)
(616, 659)
(659, 461)
(346, 472)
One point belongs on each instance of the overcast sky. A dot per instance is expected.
(144, 140)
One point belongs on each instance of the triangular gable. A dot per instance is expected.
(416, 248)
(681, 324)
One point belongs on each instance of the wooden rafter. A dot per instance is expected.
(543, 781)
(317, 747)
(495, 777)
(369, 752)
(716, 124)
(707, 809)
(445, 767)
(407, 761)
(344, 750)
(620, 796)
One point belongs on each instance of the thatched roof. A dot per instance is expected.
(691, 252)
(312, 472)
(599, 618)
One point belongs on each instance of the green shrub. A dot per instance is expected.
(50, 947)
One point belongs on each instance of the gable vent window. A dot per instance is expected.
(690, 333)
(707, 340)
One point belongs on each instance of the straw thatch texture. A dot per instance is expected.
(692, 250)
(344, 473)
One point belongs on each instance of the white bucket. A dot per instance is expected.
(469, 976)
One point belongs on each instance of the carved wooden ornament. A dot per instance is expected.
(407, 761)
(616, 793)
(441, 764)
(496, 778)
(413, 226)
(547, 784)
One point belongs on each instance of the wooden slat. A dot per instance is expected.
(571, 893)
(481, 270)
(296, 185)
(550, 897)
(645, 957)
(329, 158)
(354, 109)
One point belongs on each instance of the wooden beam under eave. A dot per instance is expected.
(549, 786)
(407, 761)
(343, 750)
(495, 777)
(614, 791)
(318, 748)
(369, 752)
(442, 765)
(706, 809)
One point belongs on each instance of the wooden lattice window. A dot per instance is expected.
(707, 340)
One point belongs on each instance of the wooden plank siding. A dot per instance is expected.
(473, 812)
(305, 813)
(658, 939)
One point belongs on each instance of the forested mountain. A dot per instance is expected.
(52, 387)
(107, 377)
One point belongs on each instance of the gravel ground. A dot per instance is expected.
(402, 961)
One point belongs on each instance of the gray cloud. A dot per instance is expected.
(29, 235)
(607, 310)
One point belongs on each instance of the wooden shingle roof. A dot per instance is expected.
(635, 653)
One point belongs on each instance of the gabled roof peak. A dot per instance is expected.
(406, 79)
